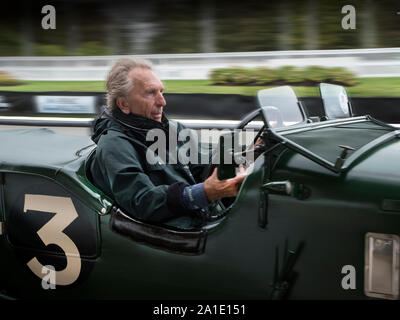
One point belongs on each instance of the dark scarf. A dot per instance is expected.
(134, 121)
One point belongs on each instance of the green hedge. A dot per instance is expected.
(290, 75)
(8, 80)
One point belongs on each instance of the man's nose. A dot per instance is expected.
(160, 100)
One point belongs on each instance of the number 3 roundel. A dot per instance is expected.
(52, 233)
(50, 228)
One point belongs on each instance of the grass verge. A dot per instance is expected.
(366, 87)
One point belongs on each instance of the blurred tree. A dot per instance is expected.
(311, 32)
(73, 30)
(26, 33)
(332, 35)
(9, 40)
(247, 26)
(387, 23)
(207, 26)
(285, 24)
(178, 28)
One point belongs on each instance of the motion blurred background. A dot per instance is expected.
(263, 43)
(86, 27)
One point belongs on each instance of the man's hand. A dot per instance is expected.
(216, 189)
(259, 141)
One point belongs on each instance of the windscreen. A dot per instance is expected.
(280, 107)
(335, 101)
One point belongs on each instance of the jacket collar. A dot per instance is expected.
(139, 122)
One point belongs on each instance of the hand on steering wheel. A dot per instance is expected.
(216, 189)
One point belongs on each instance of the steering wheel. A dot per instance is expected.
(228, 202)
(246, 119)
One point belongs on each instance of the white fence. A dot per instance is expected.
(382, 62)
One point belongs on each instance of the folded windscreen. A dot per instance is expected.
(325, 141)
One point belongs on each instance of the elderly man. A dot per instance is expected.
(171, 194)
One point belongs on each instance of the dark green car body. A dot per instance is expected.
(269, 245)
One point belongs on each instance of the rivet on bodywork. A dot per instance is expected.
(103, 210)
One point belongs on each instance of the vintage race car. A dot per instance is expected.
(317, 218)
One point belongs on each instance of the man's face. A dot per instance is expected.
(146, 98)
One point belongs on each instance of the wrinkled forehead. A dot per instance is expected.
(145, 78)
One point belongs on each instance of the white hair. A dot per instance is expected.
(118, 83)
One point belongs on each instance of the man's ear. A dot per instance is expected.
(123, 104)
